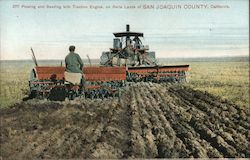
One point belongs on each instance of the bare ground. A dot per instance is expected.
(148, 121)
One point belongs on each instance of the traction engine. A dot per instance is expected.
(140, 63)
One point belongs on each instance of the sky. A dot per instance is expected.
(182, 28)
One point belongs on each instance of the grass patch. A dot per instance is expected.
(227, 78)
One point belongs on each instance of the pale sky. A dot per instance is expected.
(184, 31)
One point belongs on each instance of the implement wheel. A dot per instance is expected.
(57, 94)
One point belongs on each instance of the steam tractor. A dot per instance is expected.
(128, 60)
(140, 63)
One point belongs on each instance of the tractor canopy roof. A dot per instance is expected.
(128, 34)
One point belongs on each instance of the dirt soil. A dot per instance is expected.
(148, 121)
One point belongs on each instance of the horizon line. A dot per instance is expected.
(205, 57)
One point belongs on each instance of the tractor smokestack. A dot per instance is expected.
(127, 27)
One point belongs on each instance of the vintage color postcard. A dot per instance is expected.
(124, 79)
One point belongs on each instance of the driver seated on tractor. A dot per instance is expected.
(137, 41)
(74, 65)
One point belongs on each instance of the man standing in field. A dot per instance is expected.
(74, 65)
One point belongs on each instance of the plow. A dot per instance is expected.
(127, 61)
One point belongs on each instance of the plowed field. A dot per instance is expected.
(148, 121)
